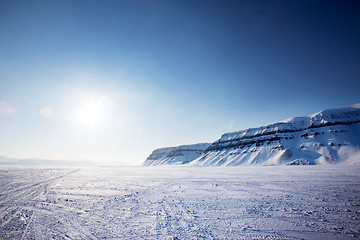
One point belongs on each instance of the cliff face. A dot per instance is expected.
(326, 137)
(176, 155)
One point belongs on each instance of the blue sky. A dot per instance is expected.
(166, 72)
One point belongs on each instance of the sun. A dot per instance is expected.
(91, 112)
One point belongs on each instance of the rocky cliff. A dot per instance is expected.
(329, 136)
(176, 155)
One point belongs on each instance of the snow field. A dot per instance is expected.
(255, 202)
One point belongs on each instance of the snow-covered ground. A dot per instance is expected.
(253, 202)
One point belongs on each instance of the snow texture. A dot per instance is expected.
(330, 136)
(253, 202)
(176, 155)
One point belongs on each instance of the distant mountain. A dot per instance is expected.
(176, 155)
(43, 162)
(329, 136)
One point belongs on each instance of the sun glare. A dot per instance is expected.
(91, 113)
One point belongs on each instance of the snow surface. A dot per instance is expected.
(253, 202)
(176, 155)
(329, 136)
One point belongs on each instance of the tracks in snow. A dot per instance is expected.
(178, 204)
(18, 204)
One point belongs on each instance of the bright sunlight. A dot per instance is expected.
(91, 112)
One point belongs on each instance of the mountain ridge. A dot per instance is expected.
(176, 155)
(328, 136)
(313, 139)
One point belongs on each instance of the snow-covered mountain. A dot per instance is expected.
(176, 155)
(329, 136)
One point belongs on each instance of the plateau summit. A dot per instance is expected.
(329, 136)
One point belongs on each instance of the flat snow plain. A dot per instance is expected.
(282, 202)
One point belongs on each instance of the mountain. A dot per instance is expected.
(329, 136)
(176, 155)
(43, 162)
